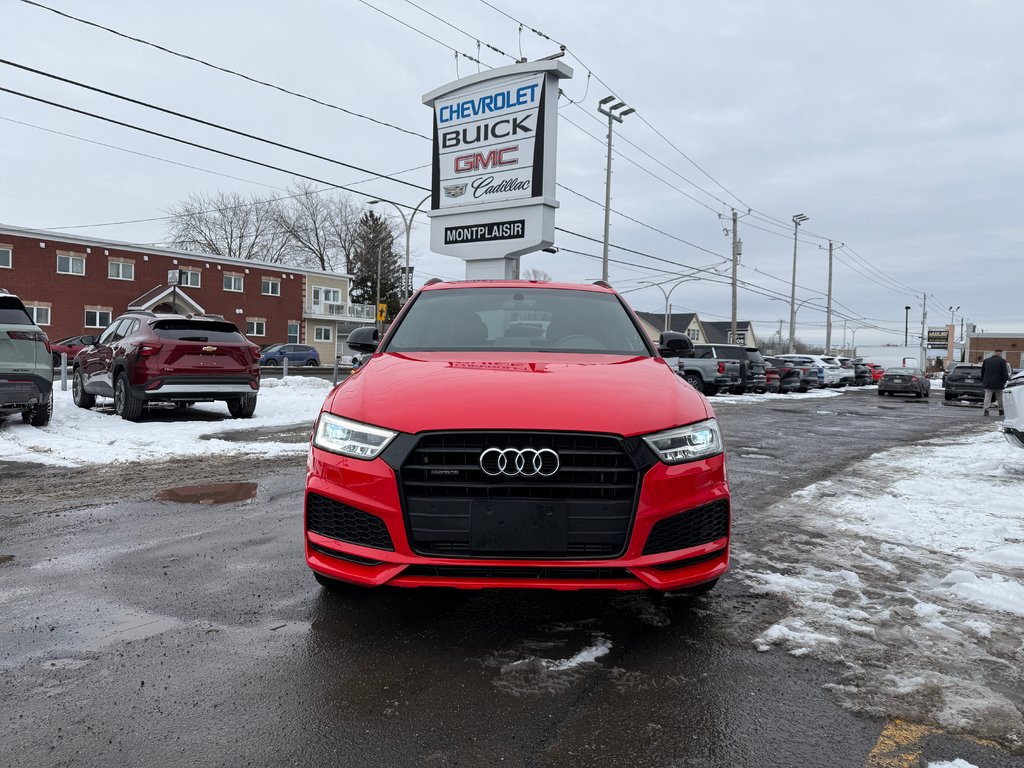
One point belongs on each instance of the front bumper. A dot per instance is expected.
(371, 487)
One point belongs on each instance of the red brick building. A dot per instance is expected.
(982, 345)
(75, 285)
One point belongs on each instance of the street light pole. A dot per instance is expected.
(407, 283)
(906, 326)
(613, 117)
(668, 295)
(797, 221)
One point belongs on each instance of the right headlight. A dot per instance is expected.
(689, 443)
(350, 438)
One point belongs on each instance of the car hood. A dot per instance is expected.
(432, 391)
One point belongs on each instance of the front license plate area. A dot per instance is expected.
(519, 526)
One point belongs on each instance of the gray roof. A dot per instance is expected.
(678, 321)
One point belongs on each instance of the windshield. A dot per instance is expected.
(518, 319)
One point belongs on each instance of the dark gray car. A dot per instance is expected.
(904, 381)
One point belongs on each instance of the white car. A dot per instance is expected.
(1013, 404)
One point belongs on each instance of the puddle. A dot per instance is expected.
(6, 559)
(211, 493)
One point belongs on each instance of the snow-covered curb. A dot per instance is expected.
(76, 437)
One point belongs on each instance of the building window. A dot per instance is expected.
(234, 283)
(255, 326)
(271, 287)
(69, 264)
(5, 256)
(293, 333)
(191, 278)
(326, 295)
(121, 270)
(693, 333)
(322, 333)
(97, 318)
(40, 314)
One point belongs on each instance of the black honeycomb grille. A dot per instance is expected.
(344, 523)
(689, 529)
(516, 572)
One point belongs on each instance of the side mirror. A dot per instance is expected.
(673, 344)
(365, 339)
(88, 340)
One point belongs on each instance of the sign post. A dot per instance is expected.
(493, 180)
(173, 279)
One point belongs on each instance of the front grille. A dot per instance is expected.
(513, 572)
(689, 529)
(596, 483)
(344, 523)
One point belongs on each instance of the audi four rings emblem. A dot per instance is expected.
(519, 462)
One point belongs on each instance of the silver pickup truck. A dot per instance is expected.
(709, 375)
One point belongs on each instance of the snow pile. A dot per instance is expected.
(771, 397)
(910, 572)
(77, 437)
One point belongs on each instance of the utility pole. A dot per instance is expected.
(616, 117)
(736, 248)
(828, 310)
(923, 352)
(380, 253)
(797, 221)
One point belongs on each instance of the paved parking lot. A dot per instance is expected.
(187, 630)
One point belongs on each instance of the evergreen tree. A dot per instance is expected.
(374, 239)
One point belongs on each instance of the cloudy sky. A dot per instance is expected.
(895, 126)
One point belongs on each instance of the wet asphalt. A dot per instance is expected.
(146, 622)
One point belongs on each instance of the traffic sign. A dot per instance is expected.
(382, 312)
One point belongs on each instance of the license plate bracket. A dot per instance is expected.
(519, 526)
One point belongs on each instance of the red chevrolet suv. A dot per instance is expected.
(143, 357)
(517, 434)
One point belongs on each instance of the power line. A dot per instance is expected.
(200, 121)
(227, 71)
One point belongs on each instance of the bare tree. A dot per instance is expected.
(308, 218)
(227, 224)
(536, 274)
(345, 216)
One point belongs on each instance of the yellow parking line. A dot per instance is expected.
(899, 744)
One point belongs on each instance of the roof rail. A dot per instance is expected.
(604, 284)
(433, 281)
(145, 312)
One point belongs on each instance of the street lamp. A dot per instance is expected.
(668, 294)
(952, 315)
(407, 283)
(906, 326)
(615, 116)
(797, 221)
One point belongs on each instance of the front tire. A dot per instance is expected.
(82, 398)
(39, 415)
(242, 407)
(881, 393)
(126, 404)
(312, 364)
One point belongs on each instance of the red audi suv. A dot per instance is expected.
(517, 434)
(143, 357)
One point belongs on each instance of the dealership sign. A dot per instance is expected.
(493, 183)
(938, 338)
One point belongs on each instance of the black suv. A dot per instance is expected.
(964, 381)
(752, 376)
(144, 357)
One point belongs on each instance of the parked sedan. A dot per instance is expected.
(963, 381)
(295, 354)
(905, 381)
(1013, 405)
(72, 345)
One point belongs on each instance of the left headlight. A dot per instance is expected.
(689, 443)
(350, 438)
